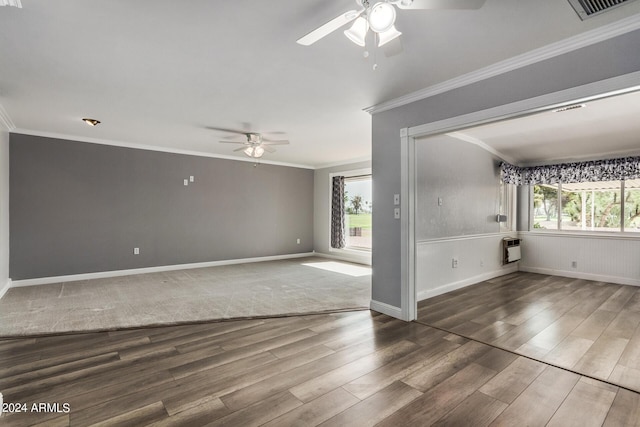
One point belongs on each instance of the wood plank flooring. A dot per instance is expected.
(343, 369)
(592, 328)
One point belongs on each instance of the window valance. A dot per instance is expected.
(596, 170)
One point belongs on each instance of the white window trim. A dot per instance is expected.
(510, 209)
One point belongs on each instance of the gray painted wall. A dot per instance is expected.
(601, 61)
(78, 207)
(4, 207)
(466, 178)
(322, 206)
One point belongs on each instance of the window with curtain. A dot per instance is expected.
(599, 195)
(351, 206)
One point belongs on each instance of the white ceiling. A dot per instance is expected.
(603, 128)
(159, 72)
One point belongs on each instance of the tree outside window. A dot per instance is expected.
(588, 206)
(358, 206)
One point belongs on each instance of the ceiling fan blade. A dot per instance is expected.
(233, 142)
(240, 149)
(393, 48)
(329, 27)
(275, 142)
(441, 4)
(268, 149)
(240, 132)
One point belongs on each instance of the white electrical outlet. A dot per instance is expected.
(439, 201)
(136, 251)
(186, 182)
(454, 263)
(298, 241)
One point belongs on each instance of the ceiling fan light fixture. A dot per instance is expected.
(382, 16)
(254, 151)
(387, 36)
(358, 31)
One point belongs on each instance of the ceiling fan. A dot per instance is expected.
(254, 144)
(380, 17)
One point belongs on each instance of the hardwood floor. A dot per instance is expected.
(592, 328)
(351, 368)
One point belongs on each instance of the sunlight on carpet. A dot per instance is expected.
(342, 268)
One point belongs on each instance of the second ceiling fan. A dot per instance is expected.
(380, 17)
(254, 144)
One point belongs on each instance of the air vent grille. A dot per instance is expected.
(588, 8)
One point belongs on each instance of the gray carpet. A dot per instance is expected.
(274, 288)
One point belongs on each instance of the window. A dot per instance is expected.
(606, 206)
(358, 203)
(545, 207)
(632, 206)
(507, 205)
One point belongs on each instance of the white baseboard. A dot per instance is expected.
(581, 275)
(117, 273)
(5, 288)
(384, 308)
(422, 295)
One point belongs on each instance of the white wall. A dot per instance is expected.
(465, 178)
(4, 210)
(322, 213)
(601, 258)
(479, 258)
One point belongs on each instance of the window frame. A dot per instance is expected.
(510, 205)
(348, 174)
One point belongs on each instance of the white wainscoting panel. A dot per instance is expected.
(479, 258)
(614, 259)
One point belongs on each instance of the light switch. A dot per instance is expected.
(192, 178)
(186, 182)
(396, 199)
(396, 213)
(439, 201)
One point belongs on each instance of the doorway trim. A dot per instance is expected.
(600, 89)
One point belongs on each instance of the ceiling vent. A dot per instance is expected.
(588, 8)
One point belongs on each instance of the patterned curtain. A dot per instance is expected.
(337, 213)
(597, 170)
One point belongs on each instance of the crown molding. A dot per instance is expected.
(480, 143)
(570, 44)
(154, 148)
(5, 120)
